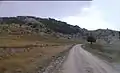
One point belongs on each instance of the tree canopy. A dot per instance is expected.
(91, 39)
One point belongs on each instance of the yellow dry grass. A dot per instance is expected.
(26, 62)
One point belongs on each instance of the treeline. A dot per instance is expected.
(59, 26)
(48, 23)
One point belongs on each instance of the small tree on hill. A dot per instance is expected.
(119, 34)
(91, 39)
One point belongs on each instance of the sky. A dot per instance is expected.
(92, 15)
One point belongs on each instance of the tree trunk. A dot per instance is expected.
(91, 42)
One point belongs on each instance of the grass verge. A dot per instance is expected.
(28, 53)
(99, 50)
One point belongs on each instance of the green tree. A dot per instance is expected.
(91, 39)
(119, 34)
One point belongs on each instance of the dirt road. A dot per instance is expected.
(81, 61)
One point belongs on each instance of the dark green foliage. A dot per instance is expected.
(9, 20)
(48, 23)
(59, 26)
(91, 39)
(119, 35)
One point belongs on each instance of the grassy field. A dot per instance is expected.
(26, 53)
(110, 52)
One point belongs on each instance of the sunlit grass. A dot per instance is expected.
(39, 48)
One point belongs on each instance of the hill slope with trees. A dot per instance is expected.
(31, 24)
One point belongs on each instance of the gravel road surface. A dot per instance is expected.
(81, 61)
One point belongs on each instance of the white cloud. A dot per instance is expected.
(90, 18)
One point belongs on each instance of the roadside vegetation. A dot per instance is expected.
(27, 53)
(109, 52)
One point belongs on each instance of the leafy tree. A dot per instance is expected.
(91, 39)
(119, 35)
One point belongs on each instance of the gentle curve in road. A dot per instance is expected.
(81, 61)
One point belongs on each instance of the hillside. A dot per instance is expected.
(28, 45)
(30, 24)
(49, 23)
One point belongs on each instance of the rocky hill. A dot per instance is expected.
(107, 35)
(35, 25)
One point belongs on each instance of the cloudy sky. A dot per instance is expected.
(87, 14)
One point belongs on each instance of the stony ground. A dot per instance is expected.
(56, 63)
(55, 66)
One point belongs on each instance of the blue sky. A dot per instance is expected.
(87, 14)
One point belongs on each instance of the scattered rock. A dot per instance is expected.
(55, 65)
(18, 70)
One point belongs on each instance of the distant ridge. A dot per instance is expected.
(31, 24)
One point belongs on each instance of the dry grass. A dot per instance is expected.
(109, 52)
(14, 41)
(28, 61)
(41, 48)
